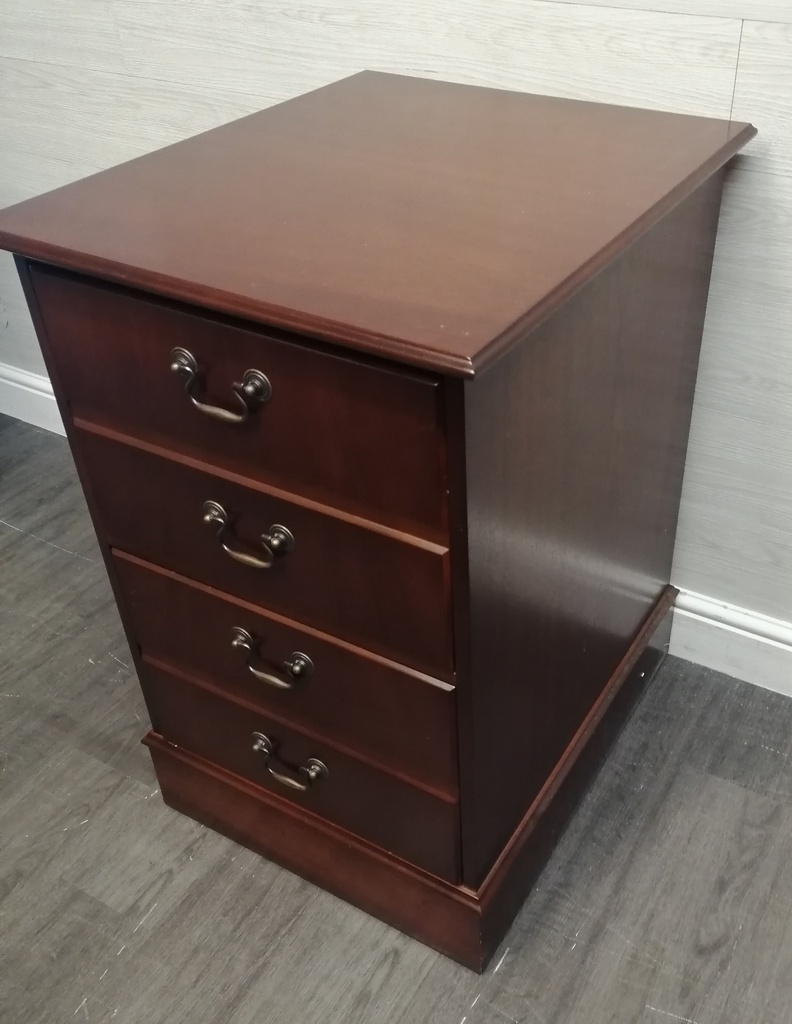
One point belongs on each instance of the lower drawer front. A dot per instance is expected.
(398, 718)
(373, 588)
(406, 820)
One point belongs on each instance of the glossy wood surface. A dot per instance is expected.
(88, 84)
(357, 435)
(429, 222)
(574, 456)
(393, 716)
(112, 901)
(377, 589)
(466, 924)
(564, 456)
(441, 915)
(415, 823)
(530, 846)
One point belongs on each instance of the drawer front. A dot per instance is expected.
(396, 717)
(404, 819)
(341, 431)
(372, 588)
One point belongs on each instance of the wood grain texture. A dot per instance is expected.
(734, 539)
(177, 59)
(668, 895)
(445, 916)
(421, 826)
(186, 64)
(764, 85)
(83, 120)
(463, 924)
(395, 717)
(638, 58)
(571, 522)
(72, 33)
(599, 466)
(514, 873)
(756, 10)
(70, 660)
(376, 588)
(420, 260)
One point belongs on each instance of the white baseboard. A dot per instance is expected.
(734, 640)
(28, 396)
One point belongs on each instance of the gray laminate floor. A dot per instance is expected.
(669, 898)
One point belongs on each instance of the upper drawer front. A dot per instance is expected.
(409, 821)
(344, 432)
(379, 590)
(377, 708)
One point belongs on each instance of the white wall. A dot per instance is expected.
(85, 84)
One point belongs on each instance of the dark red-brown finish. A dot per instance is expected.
(356, 435)
(428, 222)
(464, 924)
(438, 913)
(415, 823)
(521, 861)
(395, 717)
(571, 523)
(483, 553)
(374, 589)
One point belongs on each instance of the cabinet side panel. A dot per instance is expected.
(575, 452)
(53, 360)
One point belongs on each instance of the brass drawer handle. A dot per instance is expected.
(277, 541)
(298, 666)
(313, 771)
(253, 390)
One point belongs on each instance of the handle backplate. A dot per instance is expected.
(251, 392)
(297, 666)
(278, 540)
(312, 771)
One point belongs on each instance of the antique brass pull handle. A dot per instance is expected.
(298, 666)
(277, 541)
(313, 771)
(253, 390)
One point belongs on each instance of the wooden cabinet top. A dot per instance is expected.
(427, 222)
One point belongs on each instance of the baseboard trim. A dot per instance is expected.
(28, 396)
(734, 640)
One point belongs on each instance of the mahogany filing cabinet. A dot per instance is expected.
(380, 399)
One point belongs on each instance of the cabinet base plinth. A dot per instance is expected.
(463, 924)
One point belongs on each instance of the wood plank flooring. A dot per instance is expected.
(669, 898)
